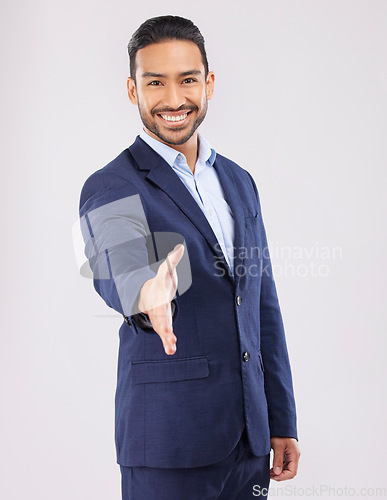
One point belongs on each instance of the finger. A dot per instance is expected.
(161, 319)
(289, 468)
(284, 475)
(168, 339)
(169, 342)
(291, 462)
(278, 460)
(174, 257)
(168, 267)
(168, 320)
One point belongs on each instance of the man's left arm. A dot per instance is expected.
(278, 377)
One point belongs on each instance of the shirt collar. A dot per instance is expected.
(206, 152)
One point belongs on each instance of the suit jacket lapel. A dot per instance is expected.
(228, 181)
(161, 174)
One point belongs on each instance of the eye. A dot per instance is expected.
(192, 79)
(152, 82)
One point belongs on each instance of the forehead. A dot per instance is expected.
(170, 57)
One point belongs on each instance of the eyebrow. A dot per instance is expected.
(161, 75)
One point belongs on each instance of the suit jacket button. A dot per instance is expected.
(239, 300)
(246, 356)
(127, 320)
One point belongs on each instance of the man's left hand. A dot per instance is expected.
(286, 456)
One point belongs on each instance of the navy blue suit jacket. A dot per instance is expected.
(231, 366)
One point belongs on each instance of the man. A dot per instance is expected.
(174, 235)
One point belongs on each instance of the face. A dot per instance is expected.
(171, 91)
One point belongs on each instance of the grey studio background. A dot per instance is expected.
(300, 103)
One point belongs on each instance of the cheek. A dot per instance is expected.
(204, 103)
(198, 98)
(146, 102)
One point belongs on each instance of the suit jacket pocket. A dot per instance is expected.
(150, 372)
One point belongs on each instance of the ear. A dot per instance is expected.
(210, 84)
(132, 93)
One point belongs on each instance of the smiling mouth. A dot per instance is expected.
(174, 119)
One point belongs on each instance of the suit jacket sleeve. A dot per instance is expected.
(118, 243)
(277, 371)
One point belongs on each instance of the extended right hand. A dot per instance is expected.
(156, 295)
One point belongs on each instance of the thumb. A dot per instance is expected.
(278, 460)
(174, 257)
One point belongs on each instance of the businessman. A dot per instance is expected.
(175, 238)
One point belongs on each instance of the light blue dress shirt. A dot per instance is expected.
(205, 188)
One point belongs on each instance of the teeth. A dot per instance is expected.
(174, 118)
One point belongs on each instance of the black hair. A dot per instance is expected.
(162, 28)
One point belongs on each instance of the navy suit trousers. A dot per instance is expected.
(235, 477)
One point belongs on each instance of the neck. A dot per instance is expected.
(189, 149)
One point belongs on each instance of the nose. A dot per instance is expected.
(174, 97)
